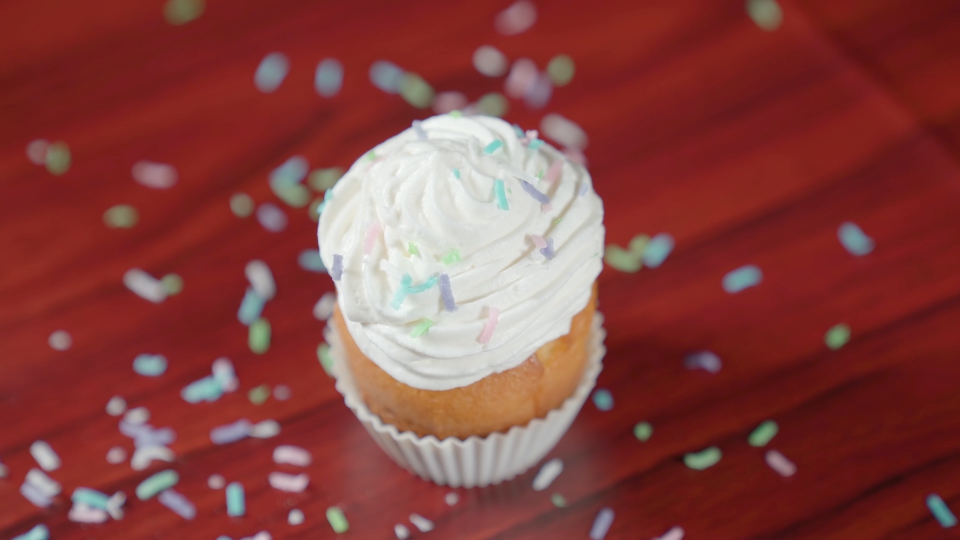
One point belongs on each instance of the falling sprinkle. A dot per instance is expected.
(535, 144)
(236, 502)
(763, 433)
(178, 503)
(172, 283)
(493, 104)
(337, 520)
(373, 231)
(742, 278)
(416, 91)
(89, 497)
(516, 19)
(290, 172)
(43, 483)
(501, 194)
(643, 431)
(329, 77)
(144, 285)
(154, 175)
(422, 523)
(453, 256)
(250, 307)
(271, 72)
(401, 531)
(638, 244)
(178, 12)
(603, 399)
(533, 192)
(493, 146)
(656, 250)
(703, 459)
(43, 453)
(523, 74)
(558, 500)
(418, 129)
(323, 309)
(705, 360)
(37, 151)
(282, 392)
(456, 173)
(675, 533)
(421, 328)
(60, 340)
(493, 317)
(561, 69)
(490, 61)
(548, 473)
(39, 532)
(446, 293)
(554, 171)
(33, 494)
(564, 131)
(324, 179)
(309, 260)
(837, 336)
(116, 406)
(295, 517)
(780, 463)
(601, 524)
(58, 158)
(325, 358)
(241, 205)
(150, 365)
(621, 259)
(765, 13)
(337, 271)
(446, 102)
(386, 76)
(451, 498)
(538, 92)
(116, 455)
(854, 240)
(295, 196)
(259, 394)
(271, 217)
(137, 416)
(121, 216)
(157, 483)
(258, 337)
(940, 511)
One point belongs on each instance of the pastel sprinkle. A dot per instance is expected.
(328, 78)
(837, 336)
(116, 406)
(157, 483)
(547, 474)
(324, 179)
(554, 171)
(258, 337)
(325, 358)
(643, 431)
(39, 532)
(282, 392)
(386, 76)
(259, 394)
(780, 463)
(178, 12)
(493, 146)
(421, 328)
(43, 453)
(416, 91)
(241, 205)
(250, 307)
(546, 207)
(58, 158)
(90, 497)
(446, 293)
(742, 278)
(451, 498)
(456, 173)
(309, 260)
(703, 459)
(501, 194)
(172, 283)
(295, 517)
(767, 14)
(427, 283)
(154, 175)
(323, 309)
(337, 271)
(493, 317)
(538, 92)
(705, 360)
(489, 61)
(60, 340)
(150, 365)
(656, 250)
(533, 192)
(34, 495)
(272, 217)
(412, 249)
(453, 256)
(40, 480)
(236, 502)
(538, 241)
(144, 285)
(373, 231)
(337, 520)
(941, 511)
(178, 503)
(763, 433)
(291, 483)
(271, 72)
(121, 216)
(261, 279)
(493, 104)
(422, 523)
(37, 151)
(621, 259)
(548, 250)
(535, 144)
(116, 454)
(405, 282)
(603, 399)
(854, 240)
(675, 533)
(558, 500)
(290, 172)
(448, 102)
(583, 190)
(601, 524)
(291, 455)
(560, 69)
(401, 531)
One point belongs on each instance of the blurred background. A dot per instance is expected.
(781, 294)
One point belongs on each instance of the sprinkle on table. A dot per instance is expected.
(622, 259)
(493, 146)
(58, 158)
(178, 12)
(271, 217)
(558, 500)
(705, 360)
(493, 317)
(44, 455)
(779, 463)
(703, 459)
(337, 520)
(493, 104)
(763, 433)
(150, 365)
(144, 285)
(121, 216)
(420, 522)
(295, 517)
(258, 395)
(501, 194)
(38, 532)
(560, 69)
(675, 533)
(601, 524)
(837, 336)
(258, 337)
(250, 307)
(172, 283)
(416, 91)
(157, 483)
(547, 474)
(309, 260)
(452, 256)
(421, 328)
(328, 78)
(941, 511)
(60, 340)
(854, 240)
(236, 501)
(271, 72)
(742, 278)
(241, 205)
(656, 249)
(766, 14)
(643, 431)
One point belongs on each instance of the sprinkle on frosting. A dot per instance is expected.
(337, 271)
(372, 233)
(421, 134)
(412, 249)
(538, 241)
(519, 131)
(540, 197)
(583, 190)
(446, 293)
(455, 114)
(456, 173)
(493, 317)
(548, 250)
(493, 146)
(453, 256)
(421, 328)
(554, 171)
(546, 207)
(429, 282)
(501, 194)
(535, 144)
(402, 291)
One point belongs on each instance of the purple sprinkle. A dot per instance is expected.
(583, 190)
(421, 134)
(337, 271)
(446, 293)
(548, 251)
(528, 187)
(230, 432)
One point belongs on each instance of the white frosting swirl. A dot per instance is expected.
(407, 192)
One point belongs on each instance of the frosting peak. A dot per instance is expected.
(452, 226)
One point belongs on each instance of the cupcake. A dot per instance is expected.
(465, 254)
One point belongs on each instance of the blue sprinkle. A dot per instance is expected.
(236, 503)
(402, 291)
(329, 77)
(386, 76)
(150, 365)
(90, 497)
(603, 399)
(657, 249)
(940, 511)
(742, 278)
(854, 240)
(535, 144)
(271, 72)
(205, 389)
(40, 532)
(519, 131)
(548, 251)
(309, 259)
(250, 307)
(456, 173)
(337, 271)
(493, 146)
(446, 293)
(290, 172)
(540, 197)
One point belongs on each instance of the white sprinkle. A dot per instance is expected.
(288, 482)
(262, 535)
(216, 481)
(46, 485)
(780, 463)
(155, 175)
(265, 429)
(451, 498)
(564, 131)
(675, 533)
(45, 456)
(601, 524)
(144, 285)
(116, 455)
(401, 531)
(115, 504)
(33, 494)
(548, 473)
(282, 392)
(224, 374)
(4, 471)
(292, 455)
(323, 309)
(516, 19)
(137, 416)
(272, 217)
(705, 360)
(328, 79)
(60, 340)
(295, 517)
(37, 151)
(522, 75)
(271, 72)
(489, 61)
(143, 457)
(116, 406)
(82, 513)
(261, 279)
(420, 522)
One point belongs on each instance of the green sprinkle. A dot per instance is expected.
(703, 459)
(337, 520)
(58, 158)
(765, 13)
(762, 435)
(493, 146)
(314, 209)
(941, 511)
(295, 195)
(157, 483)
(178, 12)
(492, 104)
(324, 179)
(556, 221)
(326, 359)
(561, 70)
(501, 196)
(452, 257)
(456, 114)
(416, 91)
(371, 155)
(622, 259)
(412, 249)
(172, 283)
(558, 500)
(643, 431)
(241, 205)
(421, 328)
(456, 173)
(837, 336)
(121, 216)
(259, 336)
(540, 174)
(236, 502)
(259, 394)
(638, 243)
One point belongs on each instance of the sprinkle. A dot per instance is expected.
(548, 473)
(259, 394)
(427, 283)
(116, 455)
(154, 175)
(540, 197)
(241, 205)
(58, 158)
(46, 485)
(535, 144)
(554, 171)
(675, 533)
(82, 513)
(271, 217)
(150, 365)
(291, 455)
(418, 129)
(548, 251)
(643, 431)
(456, 173)
(854, 240)
(34, 495)
(37, 151)
(493, 317)
(501, 194)
(337, 271)
(422, 523)
(172, 283)
(446, 293)
(116, 406)
(45, 456)
(621, 259)
(523, 74)
(416, 91)
(558, 500)
(538, 241)
(421, 328)
(837, 336)
(309, 260)
(229, 433)
(603, 399)
(765, 13)
(453, 256)
(583, 190)
(780, 463)
(763, 433)
(601, 524)
(940, 511)
(703, 459)
(326, 359)
(324, 179)
(564, 131)
(705, 360)
(144, 285)
(258, 338)
(157, 483)
(143, 457)
(516, 19)
(216, 481)
(656, 250)
(115, 504)
(370, 156)
(386, 76)
(265, 429)
(401, 531)
(451, 498)
(560, 69)
(205, 389)
(282, 392)
(329, 77)
(323, 309)
(271, 72)
(296, 195)
(60, 340)
(121, 216)
(546, 207)
(492, 104)
(493, 146)
(178, 12)
(236, 505)
(261, 279)
(373, 231)
(288, 482)
(448, 102)
(178, 503)
(538, 92)
(489, 61)
(337, 520)
(250, 307)
(137, 416)
(295, 517)
(39, 532)
(742, 278)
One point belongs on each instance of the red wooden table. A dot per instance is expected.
(748, 146)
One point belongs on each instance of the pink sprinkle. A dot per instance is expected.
(575, 156)
(554, 171)
(546, 207)
(155, 175)
(493, 317)
(538, 241)
(372, 234)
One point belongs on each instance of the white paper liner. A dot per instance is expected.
(477, 461)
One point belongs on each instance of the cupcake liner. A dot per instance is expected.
(476, 461)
